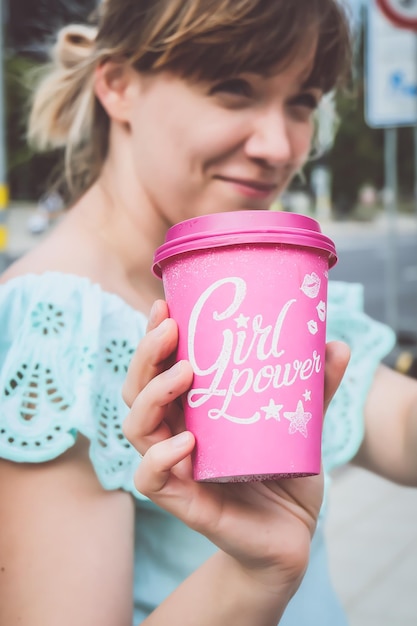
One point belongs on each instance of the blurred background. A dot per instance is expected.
(361, 185)
(362, 188)
(354, 164)
(355, 161)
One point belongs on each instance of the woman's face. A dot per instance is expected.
(205, 147)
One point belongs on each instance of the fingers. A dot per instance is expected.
(155, 471)
(145, 424)
(151, 390)
(337, 359)
(159, 312)
(152, 352)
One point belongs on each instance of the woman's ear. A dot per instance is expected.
(113, 84)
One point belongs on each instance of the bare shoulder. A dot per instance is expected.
(63, 250)
(20, 267)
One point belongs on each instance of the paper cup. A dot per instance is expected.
(248, 290)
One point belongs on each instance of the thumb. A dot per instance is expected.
(337, 359)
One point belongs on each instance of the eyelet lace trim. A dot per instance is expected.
(369, 341)
(77, 342)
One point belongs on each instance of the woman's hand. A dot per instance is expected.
(263, 525)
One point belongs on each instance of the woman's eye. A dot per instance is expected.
(234, 86)
(306, 100)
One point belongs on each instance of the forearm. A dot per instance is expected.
(389, 447)
(221, 593)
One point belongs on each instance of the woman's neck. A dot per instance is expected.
(124, 233)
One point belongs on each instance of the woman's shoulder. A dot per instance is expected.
(81, 300)
(368, 338)
(369, 341)
(65, 347)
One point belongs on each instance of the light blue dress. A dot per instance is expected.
(65, 347)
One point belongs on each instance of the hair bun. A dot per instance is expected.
(74, 44)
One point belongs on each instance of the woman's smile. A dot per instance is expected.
(249, 187)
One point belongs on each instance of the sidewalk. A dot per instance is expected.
(372, 524)
(372, 540)
(353, 234)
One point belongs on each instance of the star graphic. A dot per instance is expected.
(272, 411)
(242, 321)
(307, 395)
(298, 419)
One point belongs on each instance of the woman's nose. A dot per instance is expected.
(270, 139)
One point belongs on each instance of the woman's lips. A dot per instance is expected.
(250, 188)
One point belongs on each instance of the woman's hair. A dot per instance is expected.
(201, 39)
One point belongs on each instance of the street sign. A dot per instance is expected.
(402, 13)
(390, 71)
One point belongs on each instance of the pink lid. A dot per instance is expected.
(242, 227)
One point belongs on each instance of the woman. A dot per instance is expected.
(166, 110)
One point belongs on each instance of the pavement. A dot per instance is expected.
(372, 542)
(372, 523)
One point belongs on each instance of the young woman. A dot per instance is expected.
(167, 110)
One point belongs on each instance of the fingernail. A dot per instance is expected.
(175, 370)
(153, 313)
(181, 440)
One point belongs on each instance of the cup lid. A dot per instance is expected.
(240, 227)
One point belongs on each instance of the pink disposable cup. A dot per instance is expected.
(248, 290)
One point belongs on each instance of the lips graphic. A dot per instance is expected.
(311, 285)
(312, 327)
(321, 310)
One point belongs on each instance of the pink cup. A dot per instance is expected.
(248, 290)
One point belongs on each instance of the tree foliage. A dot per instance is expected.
(31, 28)
(357, 157)
(32, 24)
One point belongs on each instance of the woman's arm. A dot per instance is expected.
(66, 552)
(263, 529)
(389, 447)
(66, 545)
(221, 592)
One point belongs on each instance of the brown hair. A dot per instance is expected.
(204, 39)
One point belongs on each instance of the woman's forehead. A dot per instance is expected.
(300, 62)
